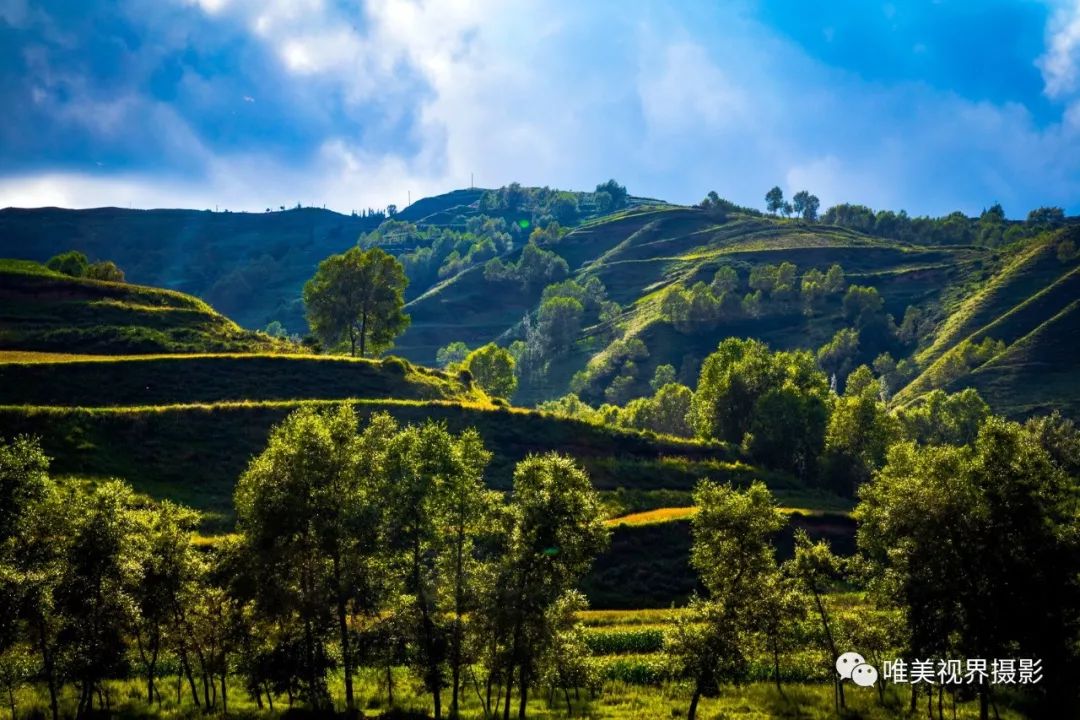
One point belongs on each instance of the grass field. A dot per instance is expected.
(40, 379)
(45, 311)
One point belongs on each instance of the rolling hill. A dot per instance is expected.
(964, 292)
(45, 310)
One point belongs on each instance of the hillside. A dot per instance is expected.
(249, 266)
(963, 293)
(47, 311)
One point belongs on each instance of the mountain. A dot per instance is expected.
(48, 311)
(946, 285)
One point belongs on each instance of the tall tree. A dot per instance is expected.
(436, 502)
(774, 199)
(976, 544)
(357, 298)
(734, 556)
(308, 507)
(555, 529)
(493, 368)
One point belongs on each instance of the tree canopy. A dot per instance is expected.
(356, 299)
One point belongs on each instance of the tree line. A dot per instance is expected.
(373, 545)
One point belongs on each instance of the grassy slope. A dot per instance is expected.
(173, 379)
(1029, 302)
(44, 310)
(648, 563)
(656, 256)
(195, 452)
(250, 266)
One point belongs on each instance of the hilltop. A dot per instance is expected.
(945, 284)
(48, 311)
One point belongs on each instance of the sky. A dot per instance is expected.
(930, 106)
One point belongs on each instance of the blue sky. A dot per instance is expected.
(246, 104)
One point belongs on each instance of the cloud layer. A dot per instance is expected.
(248, 104)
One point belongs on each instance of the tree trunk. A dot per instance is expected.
(186, 666)
(828, 637)
(150, 669)
(524, 682)
(776, 667)
(984, 703)
(343, 629)
(50, 669)
(363, 333)
(693, 703)
(509, 691)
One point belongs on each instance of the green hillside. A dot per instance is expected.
(1028, 305)
(249, 266)
(47, 311)
(172, 379)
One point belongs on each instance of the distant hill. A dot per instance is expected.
(1013, 288)
(47, 311)
(249, 266)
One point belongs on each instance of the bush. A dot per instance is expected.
(396, 365)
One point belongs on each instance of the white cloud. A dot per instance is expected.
(1060, 64)
(569, 95)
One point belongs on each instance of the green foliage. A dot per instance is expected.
(492, 368)
(615, 193)
(356, 298)
(837, 357)
(535, 268)
(105, 270)
(559, 320)
(943, 419)
(774, 199)
(862, 304)
(860, 432)
(72, 263)
(663, 375)
(805, 205)
(451, 354)
(666, 412)
(775, 402)
(733, 554)
(945, 528)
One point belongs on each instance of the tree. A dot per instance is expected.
(451, 354)
(859, 433)
(947, 529)
(105, 270)
(308, 507)
(814, 567)
(774, 199)
(94, 597)
(1046, 217)
(493, 369)
(555, 529)
(734, 556)
(862, 304)
(357, 297)
(560, 320)
(837, 357)
(725, 280)
(943, 419)
(436, 508)
(806, 205)
(663, 375)
(834, 280)
(72, 263)
(665, 412)
(737, 376)
(619, 196)
(812, 289)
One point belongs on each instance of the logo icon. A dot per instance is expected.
(853, 666)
